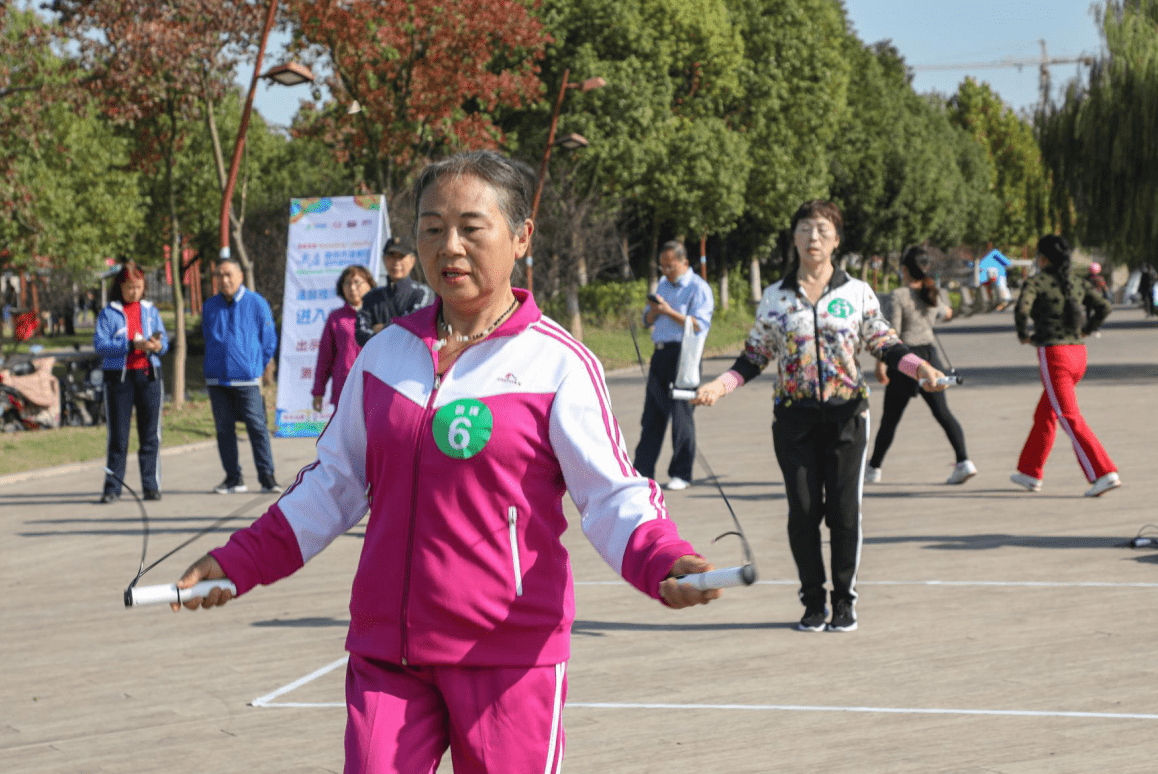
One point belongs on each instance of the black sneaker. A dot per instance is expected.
(843, 617)
(152, 494)
(109, 497)
(813, 620)
(270, 486)
(231, 487)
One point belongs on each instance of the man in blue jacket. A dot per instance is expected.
(240, 340)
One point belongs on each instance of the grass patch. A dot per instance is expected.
(48, 448)
(613, 345)
(66, 445)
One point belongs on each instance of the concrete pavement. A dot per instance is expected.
(1000, 631)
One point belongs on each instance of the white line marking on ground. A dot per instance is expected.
(888, 710)
(598, 705)
(1011, 584)
(267, 701)
(264, 701)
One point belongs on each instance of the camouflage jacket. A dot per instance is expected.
(1042, 302)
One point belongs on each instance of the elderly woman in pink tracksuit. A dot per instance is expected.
(460, 428)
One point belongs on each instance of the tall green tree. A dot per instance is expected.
(661, 137)
(902, 173)
(68, 199)
(793, 100)
(88, 205)
(1101, 143)
(1019, 180)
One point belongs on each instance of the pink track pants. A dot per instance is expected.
(495, 720)
(1062, 367)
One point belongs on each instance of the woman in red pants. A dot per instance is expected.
(1064, 308)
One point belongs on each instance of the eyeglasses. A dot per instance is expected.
(806, 227)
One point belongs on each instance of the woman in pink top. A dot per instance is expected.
(339, 348)
(462, 427)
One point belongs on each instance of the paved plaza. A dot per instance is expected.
(1000, 631)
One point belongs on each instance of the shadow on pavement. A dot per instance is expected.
(991, 541)
(593, 628)
(303, 623)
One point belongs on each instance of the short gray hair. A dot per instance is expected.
(513, 182)
(674, 246)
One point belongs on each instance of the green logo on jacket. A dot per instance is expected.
(838, 307)
(462, 428)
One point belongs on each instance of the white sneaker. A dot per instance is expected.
(676, 484)
(1103, 485)
(1029, 482)
(872, 475)
(962, 472)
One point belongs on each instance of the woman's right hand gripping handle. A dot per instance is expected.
(711, 392)
(205, 568)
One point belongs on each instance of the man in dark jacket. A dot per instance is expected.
(399, 296)
(240, 339)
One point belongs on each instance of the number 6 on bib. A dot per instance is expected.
(463, 428)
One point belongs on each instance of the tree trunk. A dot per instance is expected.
(625, 272)
(181, 348)
(573, 311)
(724, 287)
(653, 258)
(575, 281)
(754, 278)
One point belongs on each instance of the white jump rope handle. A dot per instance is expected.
(947, 380)
(162, 595)
(720, 579)
(677, 394)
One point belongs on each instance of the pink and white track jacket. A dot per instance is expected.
(464, 477)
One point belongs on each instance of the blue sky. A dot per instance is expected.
(934, 32)
(926, 32)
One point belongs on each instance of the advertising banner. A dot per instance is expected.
(325, 236)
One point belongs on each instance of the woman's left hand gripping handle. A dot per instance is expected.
(205, 568)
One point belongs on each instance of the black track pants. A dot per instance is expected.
(823, 466)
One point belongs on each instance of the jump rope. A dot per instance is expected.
(745, 574)
(168, 593)
(741, 575)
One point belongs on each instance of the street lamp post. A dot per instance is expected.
(289, 74)
(569, 141)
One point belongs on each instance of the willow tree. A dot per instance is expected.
(1101, 143)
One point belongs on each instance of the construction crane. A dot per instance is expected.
(1044, 62)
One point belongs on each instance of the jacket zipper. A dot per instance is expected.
(819, 353)
(512, 523)
(402, 628)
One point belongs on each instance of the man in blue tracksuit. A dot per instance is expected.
(240, 339)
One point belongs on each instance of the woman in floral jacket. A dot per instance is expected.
(814, 322)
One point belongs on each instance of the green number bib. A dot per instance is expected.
(840, 308)
(462, 428)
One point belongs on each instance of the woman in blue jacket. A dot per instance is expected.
(131, 337)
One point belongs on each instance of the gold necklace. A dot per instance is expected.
(452, 336)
